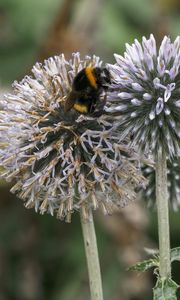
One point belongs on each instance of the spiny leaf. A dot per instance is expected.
(175, 254)
(144, 265)
(150, 263)
(165, 289)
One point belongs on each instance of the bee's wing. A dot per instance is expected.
(70, 101)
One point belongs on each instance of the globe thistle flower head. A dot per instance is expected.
(61, 162)
(173, 178)
(147, 88)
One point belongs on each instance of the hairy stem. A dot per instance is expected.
(90, 243)
(163, 214)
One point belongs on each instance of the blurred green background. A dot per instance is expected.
(41, 257)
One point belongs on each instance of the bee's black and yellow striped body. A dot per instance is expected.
(87, 87)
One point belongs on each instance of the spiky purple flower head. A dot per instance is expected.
(147, 94)
(173, 182)
(61, 162)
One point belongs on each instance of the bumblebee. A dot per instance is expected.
(87, 87)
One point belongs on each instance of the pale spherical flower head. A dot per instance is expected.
(173, 181)
(62, 161)
(146, 94)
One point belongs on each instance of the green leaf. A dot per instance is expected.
(175, 254)
(150, 263)
(165, 289)
(144, 265)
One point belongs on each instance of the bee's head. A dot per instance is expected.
(102, 76)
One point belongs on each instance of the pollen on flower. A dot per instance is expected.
(62, 162)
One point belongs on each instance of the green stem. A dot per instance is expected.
(163, 214)
(92, 257)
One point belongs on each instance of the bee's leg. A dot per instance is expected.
(101, 102)
(99, 107)
(92, 104)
